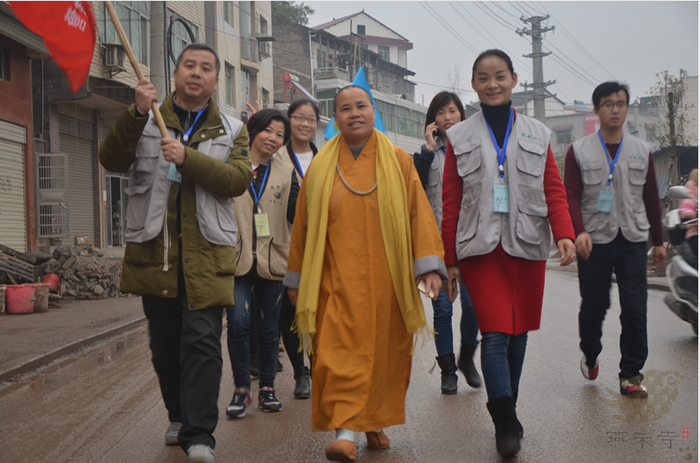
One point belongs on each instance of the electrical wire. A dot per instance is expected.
(450, 29)
(523, 65)
(496, 17)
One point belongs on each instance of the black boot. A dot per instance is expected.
(302, 388)
(449, 373)
(502, 412)
(467, 367)
(515, 403)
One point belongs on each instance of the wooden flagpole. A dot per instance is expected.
(134, 63)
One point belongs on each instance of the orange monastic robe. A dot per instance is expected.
(361, 361)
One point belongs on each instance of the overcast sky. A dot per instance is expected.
(592, 41)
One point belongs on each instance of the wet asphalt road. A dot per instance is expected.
(104, 405)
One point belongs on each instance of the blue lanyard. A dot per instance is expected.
(295, 160)
(614, 161)
(258, 194)
(186, 135)
(501, 153)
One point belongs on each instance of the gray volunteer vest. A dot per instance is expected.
(628, 212)
(524, 231)
(149, 188)
(433, 189)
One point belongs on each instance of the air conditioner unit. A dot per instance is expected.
(113, 56)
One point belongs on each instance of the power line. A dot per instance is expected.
(489, 33)
(450, 29)
(495, 17)
(563, 55)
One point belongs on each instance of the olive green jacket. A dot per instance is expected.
(149, 268)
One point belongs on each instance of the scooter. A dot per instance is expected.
(682, 277)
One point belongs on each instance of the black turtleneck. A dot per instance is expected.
(497, 117)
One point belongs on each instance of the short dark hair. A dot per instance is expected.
(335, 98)
(493, 52)
(262, 120)
(199, 46)
(607, 89)
(441, 100)
(298, 103)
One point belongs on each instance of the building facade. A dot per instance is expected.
(73, 195)
(324, 63)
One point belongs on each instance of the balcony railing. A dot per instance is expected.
(331, 73)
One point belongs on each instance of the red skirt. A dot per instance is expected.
(506, 291)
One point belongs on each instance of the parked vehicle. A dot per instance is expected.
(682, 272)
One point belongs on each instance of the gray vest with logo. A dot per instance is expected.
(149, 188)
(628, 212)
(524, 231)
(433, 189)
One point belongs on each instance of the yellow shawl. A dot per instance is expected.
(396, 232)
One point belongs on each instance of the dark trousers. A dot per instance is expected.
(290, 338)
(628, 261)
(186, 347)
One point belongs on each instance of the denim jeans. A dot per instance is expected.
(442, 321)
(257, 299)
(628, 261)
(502, 357)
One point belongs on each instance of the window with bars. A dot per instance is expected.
(53, 213)
(180, 37)
(135, 18)
(230, 84)
(384, 52)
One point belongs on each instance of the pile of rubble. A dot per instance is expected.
(85, 273)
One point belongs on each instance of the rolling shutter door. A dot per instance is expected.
(81, 200)
(13, 227)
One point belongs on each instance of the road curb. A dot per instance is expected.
(51, 356)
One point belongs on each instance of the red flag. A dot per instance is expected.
(69, 32)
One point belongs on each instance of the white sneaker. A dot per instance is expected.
(200, 454)
(172, 432)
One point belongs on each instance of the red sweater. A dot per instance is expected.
(650, 195)
(558, 209)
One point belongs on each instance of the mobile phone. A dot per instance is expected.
(421, 288)
(455, 290)
(436, 134)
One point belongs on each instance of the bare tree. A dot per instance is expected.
(455, 81)
(674, 113)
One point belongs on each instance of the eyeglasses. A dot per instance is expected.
(300, 119)
(619, 105)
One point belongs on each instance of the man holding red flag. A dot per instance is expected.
(69, 32)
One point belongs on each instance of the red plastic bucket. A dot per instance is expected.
(20, 299)
(53, 280)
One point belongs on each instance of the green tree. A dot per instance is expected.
(299, 13)
(674, 113)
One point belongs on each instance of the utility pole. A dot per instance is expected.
(158, 49)
(538, 84)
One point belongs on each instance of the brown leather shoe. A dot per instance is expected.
(341, 450)
(377, 440)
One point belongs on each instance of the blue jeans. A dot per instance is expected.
(257, 299)
(502, 357)
(442, 321)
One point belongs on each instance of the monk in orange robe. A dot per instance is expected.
(356, 280)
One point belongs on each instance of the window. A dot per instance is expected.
(4, 64)
(265, 99)
(245, 88)
(384, 52)
(229, 83)
(320, 59)
(228, 13)
(361, 29)
(135, 19)
(564, 137)
(263, 31)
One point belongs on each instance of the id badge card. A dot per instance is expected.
(262, 225)
(173, 174)
(501, 199)
(605, 200)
